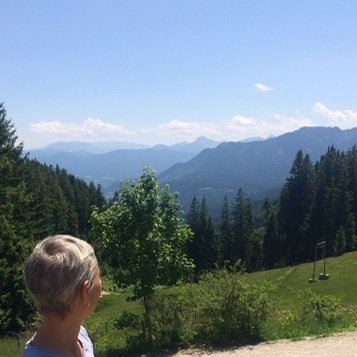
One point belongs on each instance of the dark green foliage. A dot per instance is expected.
(61, 203)
(8, 138)
(16, 309)
(202, 248)
(35, 201)
(242, 226)
(295, 202)
(340, 242)
(272, 243)
(317, 203)
(225, 243)
(351, 237)
(128, 320)
(254, 259)
(351, 162)
(332, 202)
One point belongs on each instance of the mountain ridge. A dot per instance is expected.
(112, 167)
(255, 166)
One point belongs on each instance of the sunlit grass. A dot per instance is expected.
(289, 280)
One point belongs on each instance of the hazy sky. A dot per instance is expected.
(168, 71)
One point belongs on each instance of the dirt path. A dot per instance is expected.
(339, 345)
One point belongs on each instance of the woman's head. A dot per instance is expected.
(56, 271)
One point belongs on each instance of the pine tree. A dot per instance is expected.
(351, 161)
(294, 209)
(351, 236)
(225, 236)
(202, 248)
(254, 251)
(242, 226)
(16, 309)
(195, 245)
(273, 254)
(340, 242)
(205, 235)
(332, 203)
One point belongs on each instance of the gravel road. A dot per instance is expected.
(338, 345)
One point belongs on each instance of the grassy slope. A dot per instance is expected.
(341, 284)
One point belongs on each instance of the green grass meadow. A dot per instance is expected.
(289, 282)
(342, 282)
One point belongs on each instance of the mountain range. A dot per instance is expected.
(88, 161)
(258, 167)
(204, 167)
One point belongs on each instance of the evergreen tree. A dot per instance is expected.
(273, 253)
(242, 226)
(195, 245)
(351, 237)
(206, 233)
(340, 242)
(225, 246)
(295, 204)
(254, 251)
(16, 309)
(202, 247)
(351, 162)
(332, 203)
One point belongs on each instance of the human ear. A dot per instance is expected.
(85, 292)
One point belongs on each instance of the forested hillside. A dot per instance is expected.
(318, 202)
(35, 201)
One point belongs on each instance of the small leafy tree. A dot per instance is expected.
(144, 238)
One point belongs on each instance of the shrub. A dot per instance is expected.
(231, 308)
(221, 307)
(324, 309)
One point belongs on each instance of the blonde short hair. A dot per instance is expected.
(56, 269)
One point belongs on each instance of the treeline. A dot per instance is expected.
(35, 201)
(318, 202)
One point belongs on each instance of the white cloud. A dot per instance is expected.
(241, 121)
(344, 119)
(89, 129)
(57, 128)
(100, 127)
(238, 127)
(177, 129)
(262, 87)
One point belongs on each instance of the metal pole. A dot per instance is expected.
(325, 259)
(312, 279)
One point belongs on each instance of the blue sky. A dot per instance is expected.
(168, 71)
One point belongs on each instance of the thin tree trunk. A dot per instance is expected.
(148, 319)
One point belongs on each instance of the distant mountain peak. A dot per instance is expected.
(254, 166)
(97, 147)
